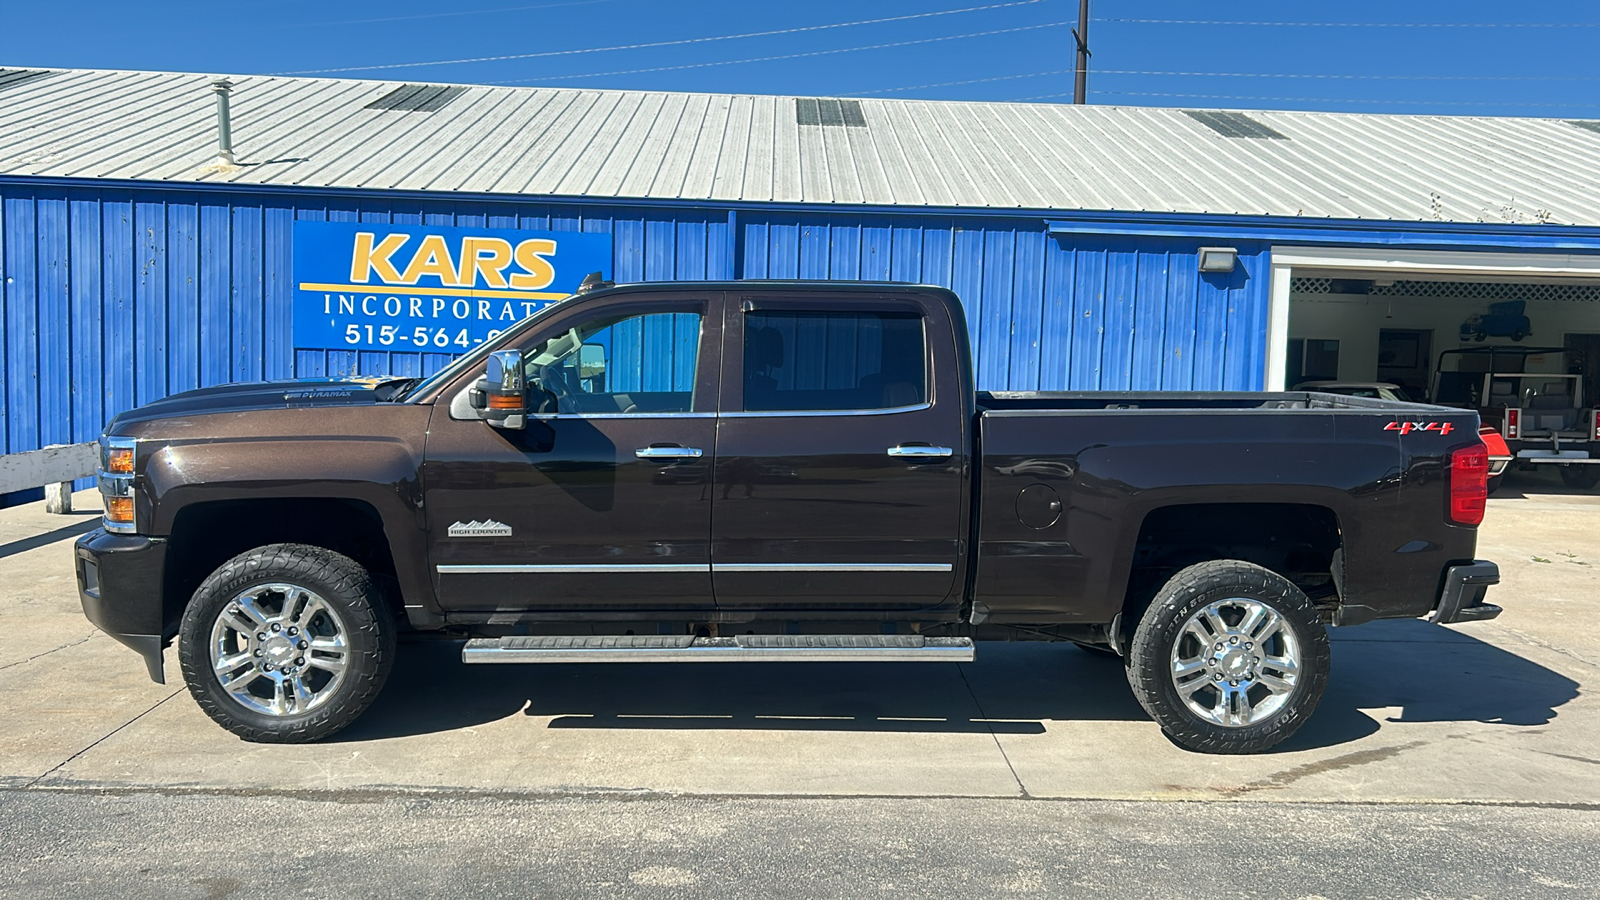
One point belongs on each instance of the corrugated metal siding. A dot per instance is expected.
(115, 297)
(615, 145)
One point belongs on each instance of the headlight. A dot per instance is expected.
(116, 483)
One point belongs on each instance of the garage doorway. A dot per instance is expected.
(1404, 358)
(1393, 312)
(1583, 352)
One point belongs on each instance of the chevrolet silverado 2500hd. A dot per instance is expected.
(756, 471)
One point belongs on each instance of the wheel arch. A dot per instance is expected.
(1303, 542)
(204, 535)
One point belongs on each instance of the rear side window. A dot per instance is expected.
(795, 361)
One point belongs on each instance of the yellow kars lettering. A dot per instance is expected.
(538, 272)
(484, 256)
(368, 258)
(432, 258)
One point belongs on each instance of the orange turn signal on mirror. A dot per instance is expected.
(119, 510)
(119, 461)
(505, 401)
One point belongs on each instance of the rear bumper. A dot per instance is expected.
(1461, 600)
(119, 584)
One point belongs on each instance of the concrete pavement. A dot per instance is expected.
(1486, 712)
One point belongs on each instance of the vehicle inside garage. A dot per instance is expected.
(1524, 353)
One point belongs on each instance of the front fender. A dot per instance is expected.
(380, 471)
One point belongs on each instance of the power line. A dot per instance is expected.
(442, 15)
(1342, 76)
(1317, 100)
(675, 43)
(732, 62)
(1359, 24)
(939, 84)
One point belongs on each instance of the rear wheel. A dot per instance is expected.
(1229, 658)
(1495, 481)
(1583, 477)
(287, 643)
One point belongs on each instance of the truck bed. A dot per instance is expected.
(1068, 481)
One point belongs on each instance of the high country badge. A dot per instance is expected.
(486, 528)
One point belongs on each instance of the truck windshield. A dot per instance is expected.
(472, 358)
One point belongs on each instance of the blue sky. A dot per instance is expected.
(1461, 57)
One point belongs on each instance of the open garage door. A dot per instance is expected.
(1515, 336)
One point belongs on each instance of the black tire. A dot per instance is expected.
(1151, 657)
(345, 588)
(1495, 481)
(1099, 650)
(1582, 477)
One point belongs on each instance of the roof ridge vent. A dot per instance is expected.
(828, 112)
(10, 78)
(1234, 124)
(424, 98)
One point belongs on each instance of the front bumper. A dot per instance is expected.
(120, 586)
(1461, 600)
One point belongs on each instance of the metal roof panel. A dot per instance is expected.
(156, 126)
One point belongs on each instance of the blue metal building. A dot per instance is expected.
(137, 259)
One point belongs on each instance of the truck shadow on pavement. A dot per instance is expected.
(1385, 675)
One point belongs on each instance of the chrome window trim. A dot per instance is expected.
(622, 415)
(579, 569)
(585, 569)
(886, 411)
(832, 567)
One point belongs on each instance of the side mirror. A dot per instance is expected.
(505, 390)
(592, 364)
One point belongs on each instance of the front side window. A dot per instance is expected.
(796, 361)
(618, 364)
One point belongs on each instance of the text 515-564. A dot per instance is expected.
(420, 336)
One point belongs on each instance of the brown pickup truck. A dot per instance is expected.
(754, 471)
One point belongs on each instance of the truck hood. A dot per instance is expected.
(259, 395)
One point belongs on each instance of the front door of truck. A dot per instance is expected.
(840, 458)
(602, 504)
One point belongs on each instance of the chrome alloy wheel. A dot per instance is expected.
(278, 649)
(1236, 662)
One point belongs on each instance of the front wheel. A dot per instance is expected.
(1582, 477)
(1229, 658)
(287, 643)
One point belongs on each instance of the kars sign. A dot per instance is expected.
(429, 288)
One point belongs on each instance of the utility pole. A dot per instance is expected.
(1080, 87)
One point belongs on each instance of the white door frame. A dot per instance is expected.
(1407, 263)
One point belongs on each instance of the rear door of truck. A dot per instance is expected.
(841, 460)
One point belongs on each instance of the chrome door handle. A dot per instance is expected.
(656, 452)
(918, 451)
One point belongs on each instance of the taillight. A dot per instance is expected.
(1513, 423)
(1469, 484)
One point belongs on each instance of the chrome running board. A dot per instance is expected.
(740, 648)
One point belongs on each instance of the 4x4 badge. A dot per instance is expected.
(486, 528)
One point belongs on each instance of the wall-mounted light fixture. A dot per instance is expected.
(1218, 259)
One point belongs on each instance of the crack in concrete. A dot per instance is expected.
(380, 794)
(1545, 645)
(992, 734)
(30, 659)
(97, 741)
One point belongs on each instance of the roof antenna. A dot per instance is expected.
(593, 282)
